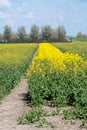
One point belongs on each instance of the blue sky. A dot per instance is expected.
(70, 13)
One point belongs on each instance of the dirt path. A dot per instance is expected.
(14, 106)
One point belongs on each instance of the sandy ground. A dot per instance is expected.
(14, 105)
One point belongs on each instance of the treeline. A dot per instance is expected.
(81, 35)
(36, 34)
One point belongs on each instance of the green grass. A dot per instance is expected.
(74, 47)
(82, 39)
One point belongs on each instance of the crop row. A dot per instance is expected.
(14, 60)
(60, 78)
(75, 47)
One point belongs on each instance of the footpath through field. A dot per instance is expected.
(14, 105)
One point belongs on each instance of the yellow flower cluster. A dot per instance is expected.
(15, 53)
(50, 59)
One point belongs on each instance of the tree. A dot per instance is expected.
(14, 38)
(61, 33)
(79, 35)
(21, 34)
(1, 38)
(46, 32)
(34, 34)
(54, 37)
(7, 33)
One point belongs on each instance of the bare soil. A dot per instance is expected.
(15, 104)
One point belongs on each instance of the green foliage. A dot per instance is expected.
(75, 47)
(14, 60)
(79, 35)
(32, 116)
(55, 112)
(77, 112)
(21, 34)
(34, 34)
(84, 124)
(61, 88)
(46, 32)
(42, 122)
(36, 116)
(7, 33)
(61, 33)
(80, 39)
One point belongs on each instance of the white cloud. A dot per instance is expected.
(5, 3)
(17, 15)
